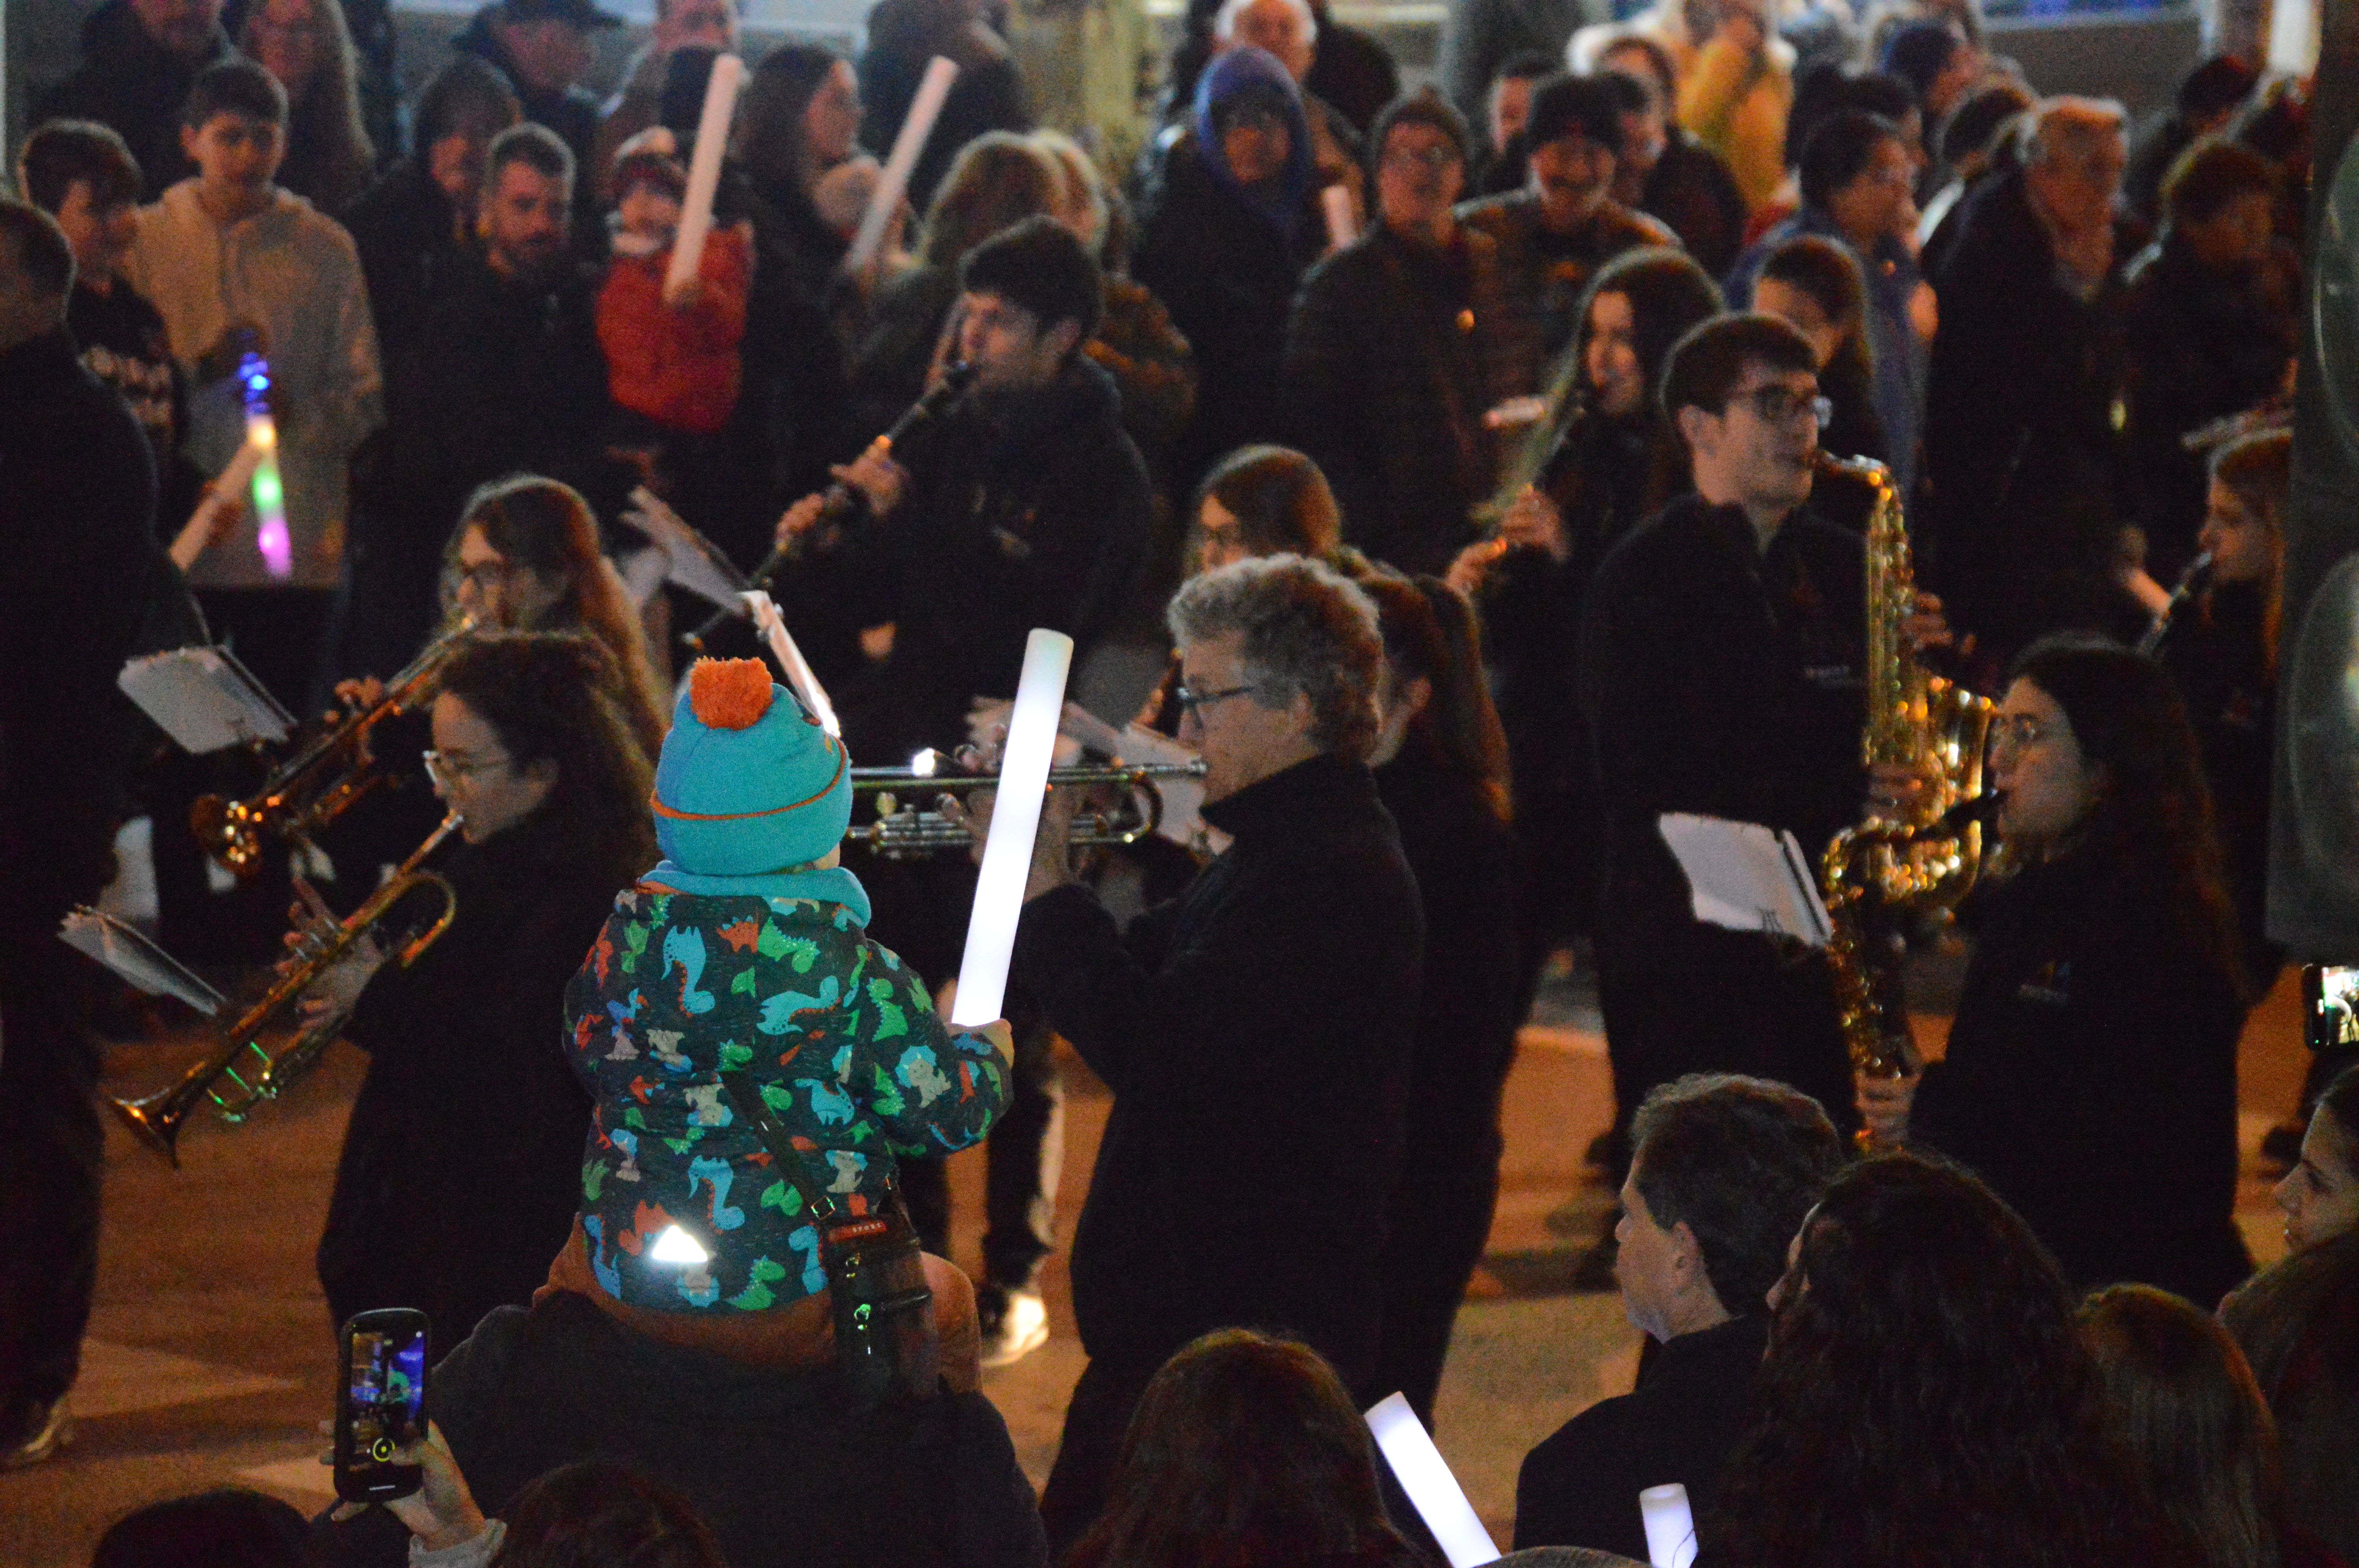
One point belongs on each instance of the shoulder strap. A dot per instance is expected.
(745, 1098)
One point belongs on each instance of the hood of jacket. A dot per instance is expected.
(1233, 74)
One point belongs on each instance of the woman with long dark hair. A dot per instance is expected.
(2091, 1076)
(1441, 770)
(308, 46)
(460, 1169)
(1925, 1399)
(1602, 460)
(1245, 1452)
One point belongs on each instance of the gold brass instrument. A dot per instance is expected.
(1929, 859)
(158, 1118)
(323, 779)
(904, 829)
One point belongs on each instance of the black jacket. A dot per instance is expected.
(2091, 1080)
(1255, 1032)
(1023, 510)
(988, 95)
(2020, 450)
(2218, 655)
(1723, 682)
(1543, 276)
(462, 1165)
(1581, 1486)
(1692, 191)
(1351, 71)
(408, 242)
(1394, 351)
(1228, 275)
(775, 1462)
(77, 541)
(571, 112)
(126, 81)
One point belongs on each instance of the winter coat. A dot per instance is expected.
(1256, 1033)
(295, 276)
(1692, 191)
(2020, 450)
(1228, 275)
(987, 95)
(1735, 103)
(2090, 1079)
(680, 988)
(1351, 71)
(1544, 275)
(677, 366)
(124, 343)
(1394, 352)
(1478, 37)
(1023, 509)
(1152, 364)
(462, 1165)
(409, 242)
(127, 81)
(571, 112)
(2218, 655)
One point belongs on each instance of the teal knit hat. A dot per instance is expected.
(749, 783)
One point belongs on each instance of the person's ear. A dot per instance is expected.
(1298, 708)
(188, 143)
(1697, 427)
(1418, 695)
(541, 775)
(1062, 340)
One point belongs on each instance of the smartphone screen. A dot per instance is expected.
(381, 1406)
(2330, 997)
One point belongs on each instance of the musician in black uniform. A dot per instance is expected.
(1023, 505)
(1721, 675)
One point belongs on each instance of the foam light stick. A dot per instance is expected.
(705, 172)
(924, 108)
(796, 669)
(270, 535)
(1015, 824)
(1425, 1476)
(1335, 206)
(1670, 1526)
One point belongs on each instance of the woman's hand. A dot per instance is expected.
(1533, 521)
(1927, 627)
(441, 1513)
(1883, 1105)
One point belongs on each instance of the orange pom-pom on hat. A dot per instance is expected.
(729, 694)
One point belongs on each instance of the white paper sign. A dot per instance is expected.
(204, 698)
(131, 954)
(1748, 877)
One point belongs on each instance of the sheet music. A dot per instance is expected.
(1748, 877)
(131, 954)
(1079, 728)
(204, 699)
(692, 561)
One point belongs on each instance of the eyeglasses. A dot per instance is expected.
(483, 574)
(444, 770)
(2017, 730)
(1783, 405)
(1424, 158)
(1194, 702)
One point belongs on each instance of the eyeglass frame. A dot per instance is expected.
(1194, 703)
(2018, 731)
(1818, 405)
(442, 773)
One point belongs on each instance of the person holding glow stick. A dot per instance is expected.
(1256, 1030)
(904, 36)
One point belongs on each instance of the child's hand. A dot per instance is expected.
(688, 295)
(1002, 1038)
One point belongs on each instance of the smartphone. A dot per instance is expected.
(2330, 1006)
(380, 1404)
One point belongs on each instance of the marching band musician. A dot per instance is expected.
(1722, 675)
(458, 1178)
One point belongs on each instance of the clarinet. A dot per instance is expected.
(842, 502)
(2190, 583)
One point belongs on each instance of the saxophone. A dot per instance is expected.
(1883, 867)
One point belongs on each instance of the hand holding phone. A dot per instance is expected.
(380, 1405)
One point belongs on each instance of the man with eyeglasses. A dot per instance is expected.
(1721, 670)
(1254, 1030)
(1394, 350)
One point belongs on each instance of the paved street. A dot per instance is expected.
(210, 1361)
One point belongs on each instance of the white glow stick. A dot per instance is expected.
(1425, 1476)
(1670, 1526)
(799, 679)
(704, 171)
(886, 200)
(1015, 823)
(1335, 205)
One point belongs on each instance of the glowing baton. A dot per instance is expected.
(1335, 206)
(704, 171)
(799, 679)
(1425, 1476)
(1670, 1526)
(1015, 823)
(933, 89)
(270, 535)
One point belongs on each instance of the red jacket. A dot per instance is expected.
(679, 368)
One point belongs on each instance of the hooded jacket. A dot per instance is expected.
(127, 80)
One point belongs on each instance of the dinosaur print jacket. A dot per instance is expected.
(844, 1042)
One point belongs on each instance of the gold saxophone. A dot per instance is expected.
(1929, 859)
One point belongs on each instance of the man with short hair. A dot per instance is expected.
(543, 47)
(77, 511)
(1662, 170)
(1506, 110)
(1564, 224)
(1721, 672)
(1255, 1032)
(1398, 345)
(2022, 449)
(1722, 1171)
(139, 58)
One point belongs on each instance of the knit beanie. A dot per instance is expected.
(650, 157)
(748, 782)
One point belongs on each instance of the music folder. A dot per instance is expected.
(130, 954)
(204, 699)
(692, 561)
(1748, 877)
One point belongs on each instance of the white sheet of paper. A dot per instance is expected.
(204, 698)
(692, 561)
(130, 954)
(1748, 877)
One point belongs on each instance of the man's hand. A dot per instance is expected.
(1533, 521)
(876, 475)
(1883, 1105)
(1895, 788)
(1927, 628)
(443, 1512)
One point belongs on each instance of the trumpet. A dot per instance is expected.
(156, 1118)
(322, 781)
(904, 829)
